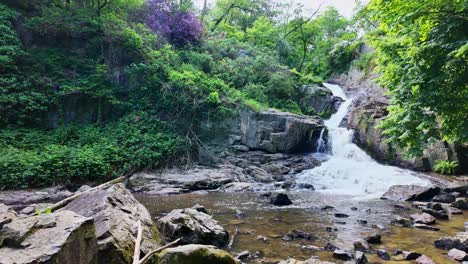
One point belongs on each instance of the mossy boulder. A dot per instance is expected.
(195, 254)
(116, 213)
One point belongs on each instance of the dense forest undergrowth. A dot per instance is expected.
(95, 89)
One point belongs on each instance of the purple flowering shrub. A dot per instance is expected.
(177, 26)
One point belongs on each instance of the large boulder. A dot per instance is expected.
(275, 131)
(60, 237)
(320, 100)
(410, 193)
(116, 214)
(195, 254)
(192, 226)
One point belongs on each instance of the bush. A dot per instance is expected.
(34, 158)
(446, 167)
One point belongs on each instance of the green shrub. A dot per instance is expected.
(71, 154)
(446, 167)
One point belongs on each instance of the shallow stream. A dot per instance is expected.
(262, 219)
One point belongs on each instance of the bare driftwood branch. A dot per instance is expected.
(151, 253)
(67, 200)
(136, 252)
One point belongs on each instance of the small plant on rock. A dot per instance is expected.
(446, 167)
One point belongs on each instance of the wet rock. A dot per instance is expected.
(439, 214)
(382, 253)
(459, 241)
(426, 227)
(23, 198)
(457, 254)
(361, 222)
(435, 206)
(444, 198)
(461, 188)
(189, 254)
(298, 234)
(116, 213)
(264, 239)
(360, 258)
(192, 226)
(331, 247)
(331, 229)
(401, 207)
(313, 248)
(423, 218)
(340, 222)
(460, 203)
(454, 211)
(401, 221)
(410, 193)
(242, 255)
(240, 214)
(424, 260)
(373, 239)
(280, 199)
(411, 255)
(305, 186)
(26, 241)
(287, 184)
(6, 215)
(342, 254)
(354, 208)
(361, 245)
(341, 215)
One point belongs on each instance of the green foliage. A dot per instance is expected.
(446, 167)
(422, 57)
(85, 153)
(342, 54)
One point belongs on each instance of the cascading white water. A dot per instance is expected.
(349, 170)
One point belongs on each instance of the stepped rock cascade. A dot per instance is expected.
(348, 169)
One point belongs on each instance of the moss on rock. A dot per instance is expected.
(195, 254)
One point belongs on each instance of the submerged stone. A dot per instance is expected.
(280, 199)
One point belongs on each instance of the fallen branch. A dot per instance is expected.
(151, 253)
(136, 252)
(66, 201)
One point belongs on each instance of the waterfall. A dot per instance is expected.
(321, 145)
(349, 170)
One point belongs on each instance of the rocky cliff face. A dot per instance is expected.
(369, 108)
(272, 131)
